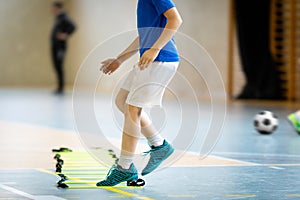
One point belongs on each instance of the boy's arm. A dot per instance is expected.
(132, 49)
(112, 64)
(174, 22)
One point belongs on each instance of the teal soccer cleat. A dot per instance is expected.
(157, 156)
(118, 175)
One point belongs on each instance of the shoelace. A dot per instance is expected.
(110, 170)
(114, 167)
(148, 152)
(151, 150)
(154, 157)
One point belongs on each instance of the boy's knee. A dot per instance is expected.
(120, 104)
(133, 111)
(120, 100)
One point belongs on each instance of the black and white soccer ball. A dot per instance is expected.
(265, 122)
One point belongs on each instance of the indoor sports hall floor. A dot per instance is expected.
(243, 165)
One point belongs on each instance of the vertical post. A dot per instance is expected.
(292, 51)
(273, 27)
(296, 59)
(231, 34)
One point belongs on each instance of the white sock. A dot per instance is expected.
(156, 140)
(125, 161)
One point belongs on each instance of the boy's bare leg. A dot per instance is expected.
(149, 131)
(147, 128)
(131, 134)
(125, 170)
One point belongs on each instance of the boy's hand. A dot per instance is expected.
(148, 57)
(110, 65)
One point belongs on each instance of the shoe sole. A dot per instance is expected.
(134, 179)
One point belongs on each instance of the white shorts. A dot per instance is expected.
(146, 87)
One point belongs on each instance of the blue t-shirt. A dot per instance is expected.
(151, 22)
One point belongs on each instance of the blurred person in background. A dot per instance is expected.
(257, 62)
(62, 29)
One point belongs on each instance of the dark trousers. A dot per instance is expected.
(58, 55)
(253, 23)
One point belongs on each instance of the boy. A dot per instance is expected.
(145, 85)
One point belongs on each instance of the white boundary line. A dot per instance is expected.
(256, 154)
(15, 191)
(247, 163)
(242, 163)
(29, 196)
(233, 160)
